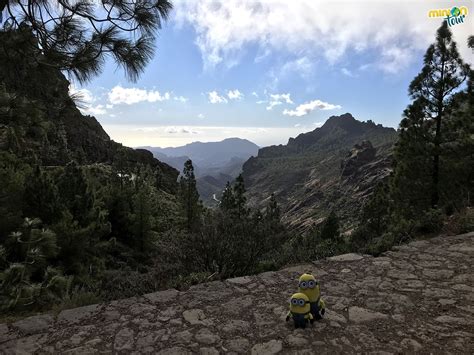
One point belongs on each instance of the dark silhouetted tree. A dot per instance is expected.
(77, 36)
(441, 77)
(239, 196)
(330, 227)
(227, 200)
(190, 196)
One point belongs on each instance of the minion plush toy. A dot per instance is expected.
(310, 287)
(299, 310)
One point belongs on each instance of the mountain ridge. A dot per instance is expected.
(306, 177)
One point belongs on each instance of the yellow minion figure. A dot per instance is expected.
(308, 285)
(299, 310)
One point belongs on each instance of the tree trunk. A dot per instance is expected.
(435, 177)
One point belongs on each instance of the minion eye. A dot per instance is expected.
(301, 302)
(311, 284)
(294, 301)
(303, 284)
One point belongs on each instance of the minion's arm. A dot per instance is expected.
(322, 306)
(310, 316)
(288, 316)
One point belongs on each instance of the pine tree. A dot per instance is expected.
(240, 199)
(190, 196)
(227, 200)
(76, 194)
(41, 197)
(442, 75)
(28, 279)
(272, 211)
(330, 227)
(12, 187)
(77, 36)
(142, 206)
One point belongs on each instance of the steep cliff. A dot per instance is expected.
(333, 167)
(40, 123)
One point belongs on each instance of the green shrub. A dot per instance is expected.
(430, 221)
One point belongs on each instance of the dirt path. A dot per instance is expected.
(417, 298)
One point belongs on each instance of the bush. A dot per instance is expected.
(430, 221)
(381, 244)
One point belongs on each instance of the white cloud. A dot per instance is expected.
(201, 115)
(235, 95)
(85, 100)
(180, 130)
(255, 94)
(129, 96)
(303, 66)
(308, 107)
(95, 110)
(181, 99)
(278, 99)
(308, 28)
(348, 73)
(214, 98)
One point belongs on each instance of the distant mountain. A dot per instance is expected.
(335, 167)
(214, 163)
(211, 153)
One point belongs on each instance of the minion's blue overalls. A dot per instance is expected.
(315, 309)
(300, 319)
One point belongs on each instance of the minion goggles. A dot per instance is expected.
(298, 302)
(307, 284)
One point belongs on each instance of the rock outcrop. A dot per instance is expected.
(417, 298)
(306, 175)
(359, 156)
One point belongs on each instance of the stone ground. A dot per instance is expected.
(417, 298)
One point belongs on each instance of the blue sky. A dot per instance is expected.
(268, 70)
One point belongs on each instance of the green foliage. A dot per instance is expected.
(12, 182)
(78, 36)
(42, 197)
(330, 227)
(232, 240)
(434, 161)
(190, 196)
(28, 280)
(424, 125)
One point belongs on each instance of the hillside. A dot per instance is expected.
(46, 127)
(335, 167)
(215, 163)
(415, 299)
